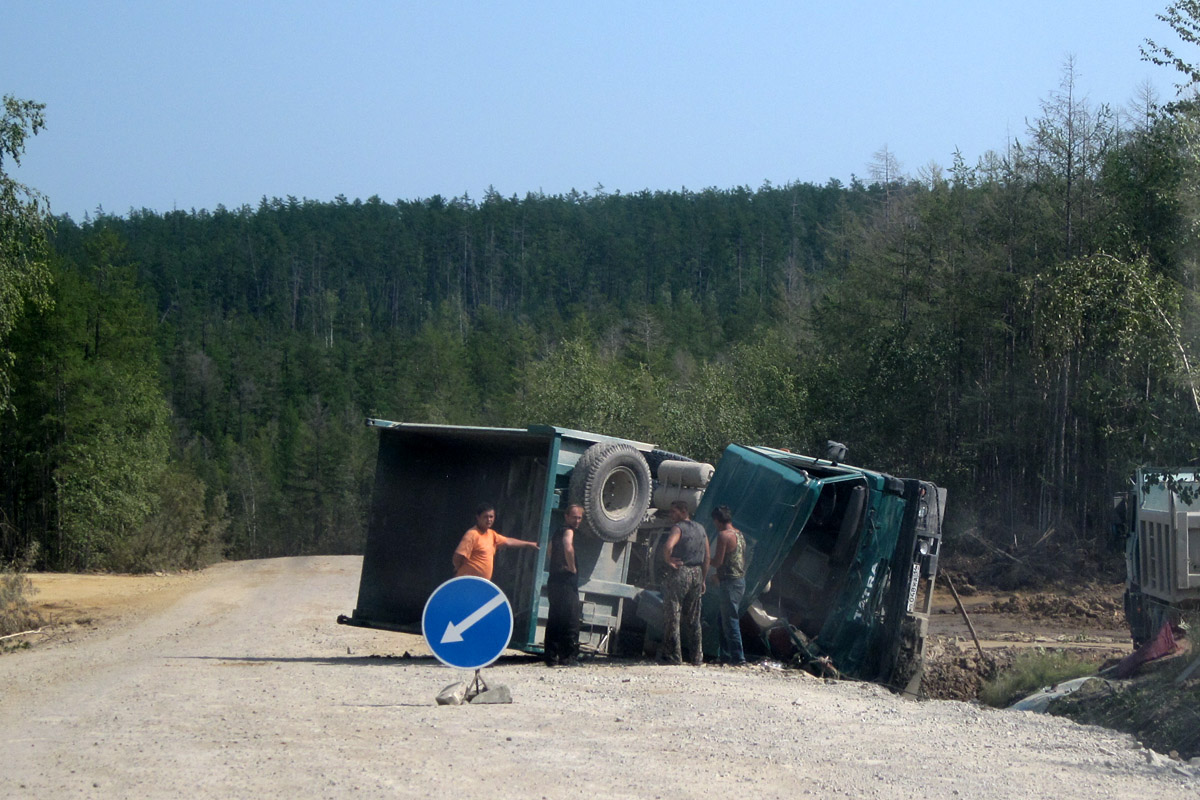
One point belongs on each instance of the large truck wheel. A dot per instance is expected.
(909, 667)
(612, 483)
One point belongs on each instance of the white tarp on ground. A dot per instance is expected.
(1040, 701)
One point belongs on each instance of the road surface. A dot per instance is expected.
(237, 682)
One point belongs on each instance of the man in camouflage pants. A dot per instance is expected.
(685, 558)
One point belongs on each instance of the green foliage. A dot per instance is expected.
(111, 456)
(438, 383)
(99, 422)
(703, 413)
(966, 327)
(1100, 305)
(24, 225)
(696, 409)
(324, 483)
(1111, 359)
(182, 531)
(497, 350)
(1184, 18)
(768, 385)
(1145, 181)
(577, 387)
(1031, 672)
(108, 469)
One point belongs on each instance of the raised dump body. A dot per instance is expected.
(429, 478)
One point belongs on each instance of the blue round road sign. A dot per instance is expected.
(467, 622)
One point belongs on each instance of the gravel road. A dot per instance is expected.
(239, 683)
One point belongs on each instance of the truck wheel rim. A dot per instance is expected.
(618, 494)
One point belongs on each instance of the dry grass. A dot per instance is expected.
(17, 614)
(1032, 671)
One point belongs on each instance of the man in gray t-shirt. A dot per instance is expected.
(685, 559)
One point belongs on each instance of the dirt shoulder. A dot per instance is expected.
(1091, 613)
(67, 598)
(69, 605)
(1085, 620)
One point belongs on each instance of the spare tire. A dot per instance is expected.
(656, 457)
(612, 483)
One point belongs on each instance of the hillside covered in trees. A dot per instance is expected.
(192, 385)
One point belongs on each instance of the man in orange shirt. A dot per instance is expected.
(477, 550)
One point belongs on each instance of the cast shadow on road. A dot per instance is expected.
(383, 661)
(346, 661)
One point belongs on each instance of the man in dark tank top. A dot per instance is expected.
(561, 644)
(685, 557)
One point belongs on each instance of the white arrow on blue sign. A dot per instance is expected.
(467, 622)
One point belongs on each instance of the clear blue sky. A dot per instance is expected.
(166, 105)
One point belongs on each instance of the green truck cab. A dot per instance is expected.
(840, 559)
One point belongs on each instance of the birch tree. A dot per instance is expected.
(24, 225)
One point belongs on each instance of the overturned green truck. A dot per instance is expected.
(840, 560)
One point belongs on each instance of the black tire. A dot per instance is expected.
(909, 667)
(1137, 618)
(612, 483)
(656, 457)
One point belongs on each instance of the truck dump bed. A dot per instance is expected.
(429, 478)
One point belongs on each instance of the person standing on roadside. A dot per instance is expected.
(729, 565)
(476, 552)
(685, 555)
(562, 591)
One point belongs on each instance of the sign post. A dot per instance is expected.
(467, 623)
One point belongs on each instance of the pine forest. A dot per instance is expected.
(187, 386)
